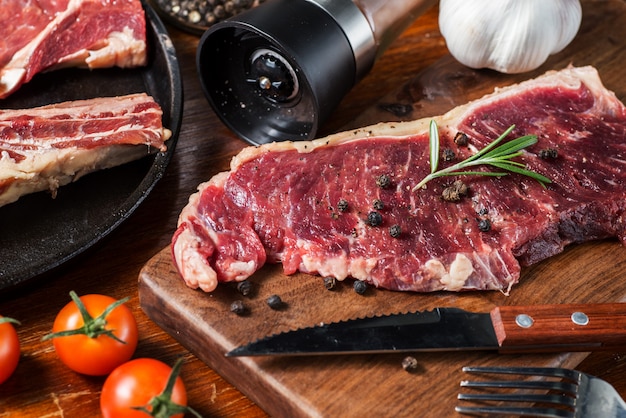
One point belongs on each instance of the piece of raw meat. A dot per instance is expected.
(38, 36)
(47, 147)
(307, 204)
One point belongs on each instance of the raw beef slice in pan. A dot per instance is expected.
(46, 147)
(306, 204)
(38, 36)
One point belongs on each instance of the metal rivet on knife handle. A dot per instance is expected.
(564, 327)
(524, 320)
(580, 318)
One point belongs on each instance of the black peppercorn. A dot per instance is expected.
(548, 153)
(448, 154)
(461, 139)
(238, 307)
(383, 181)
(374, 218)
(275, 302)
(360, 287)
(330, 283)
(395, 231)
(244, 287)
(378, 204)
(196, 15)
(409, 363)
(455, 192)
(342, 205)
(450, 195)
(484, 225)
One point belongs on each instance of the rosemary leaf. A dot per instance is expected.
(513, 146)
(491, 145)
(516, 169)
(495, 155)
(433, 143)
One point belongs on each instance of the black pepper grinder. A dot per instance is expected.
(277, 71)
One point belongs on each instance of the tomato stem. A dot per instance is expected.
(162, 405)
(92, 327)
(5, 319)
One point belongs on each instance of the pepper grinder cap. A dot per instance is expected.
(276, 72)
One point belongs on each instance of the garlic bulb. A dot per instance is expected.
(510, 36)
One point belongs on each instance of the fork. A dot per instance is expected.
(578, 394)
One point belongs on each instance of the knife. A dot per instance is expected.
(507, 329)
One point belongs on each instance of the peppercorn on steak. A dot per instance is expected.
(346, 205)
(46, 147)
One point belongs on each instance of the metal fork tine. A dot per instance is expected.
(522, 384)
(538, 404)
(534, 398)
(527, 412)
(528, 371)
(580, 396)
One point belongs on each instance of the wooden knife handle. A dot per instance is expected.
(565, 327)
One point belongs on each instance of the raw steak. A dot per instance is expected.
(49, 146)
(281, 202)
(43, 35)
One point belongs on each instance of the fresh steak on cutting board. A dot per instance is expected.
(46, 147)
(281, 202)
(40, 36)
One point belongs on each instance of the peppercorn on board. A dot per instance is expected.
(377, 385)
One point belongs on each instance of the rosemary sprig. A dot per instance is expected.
(433, 143)
(497, 156)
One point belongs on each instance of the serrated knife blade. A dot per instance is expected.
(512, 329)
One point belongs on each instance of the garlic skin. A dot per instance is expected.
(509, 36)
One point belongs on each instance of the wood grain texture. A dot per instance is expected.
(408, 73)
(332, 386)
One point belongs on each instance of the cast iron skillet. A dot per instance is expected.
(38, 233)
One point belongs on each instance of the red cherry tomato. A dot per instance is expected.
(9, 349)
(137, 383)
(101, 342)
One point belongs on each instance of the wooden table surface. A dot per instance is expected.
(43, 387)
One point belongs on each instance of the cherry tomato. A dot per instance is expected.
(90, 340)
(9, 348)
(138, 383)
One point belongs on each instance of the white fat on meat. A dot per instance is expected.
(118, 48)
(337, 267)
(121, 49)
(44, 162)
(455, 276)
(192, 266)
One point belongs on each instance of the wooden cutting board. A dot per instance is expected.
(377, 385)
